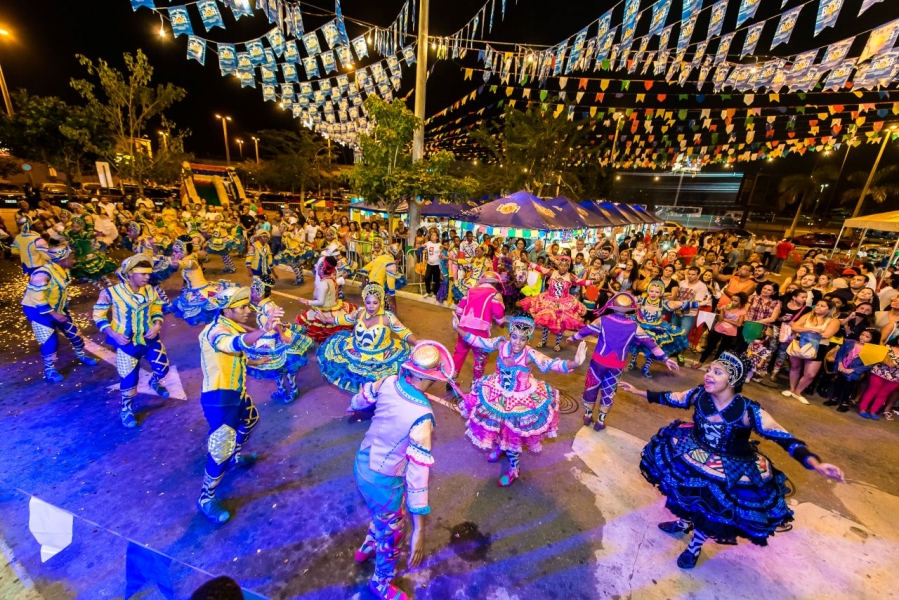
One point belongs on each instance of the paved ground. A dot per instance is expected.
(579, 524)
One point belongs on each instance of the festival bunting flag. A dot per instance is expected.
(287, 91)
(243, 62)
(690, 7)
(576, 50)
(345, 56)
(828, 12)
(605, 22)
(836, 53)
(256, 51)
(331, 33)
(747, 10)
(227, 58)
(409, 55)
(269, 92)
(785, 27)
(839, 75)
(882, 68)
(686, 31)
(210, 15)
(310, 66)
(866, 5)
(196, 49)
(752, 38)
(723, 47)
(880, 39)
(310, 40)
(276, 41)
(291, 52)
(716, 20)
(135, 4)
(560, 57)
(289, 71)
(269, 59)
(328, 62)
(341, 25)
(659, 15)
(268, 74)
(180, 20)
(247, 78)
(240, 8)
(360, 47)
(629, 23)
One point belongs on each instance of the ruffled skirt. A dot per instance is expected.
(92, 267)
(320, 331)
(511, 421)
(345, 366)
(193, 305)
(283, 358)
(556, 314)
(669, 338)
(724, 495)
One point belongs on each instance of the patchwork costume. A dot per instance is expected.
(650, 317)
(259, 255)
(556, 310)
(476, 312)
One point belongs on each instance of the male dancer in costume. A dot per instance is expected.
(476, 311)
(132, 328)
(31, 247)
(382, 271)
(259, 256)
(228, 408)
(615, 332)
(46, 305)
(394, 460)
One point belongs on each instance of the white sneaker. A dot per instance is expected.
(786, 393)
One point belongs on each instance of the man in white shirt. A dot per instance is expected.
(108, 207)
(311, 229)
(468, 247)
(690, 289)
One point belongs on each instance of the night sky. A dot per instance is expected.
(48, 34)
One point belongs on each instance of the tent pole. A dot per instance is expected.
(883, 272)
(854, 252)
(837, 243)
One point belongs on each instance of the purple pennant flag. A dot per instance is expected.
(866, 5)
(785, 27)
(828, 12)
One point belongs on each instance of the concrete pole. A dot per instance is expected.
(421, 83)
(6, 98)
(861, 198)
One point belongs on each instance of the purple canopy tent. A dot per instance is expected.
(589, 219)
(614, 217)
(523, 210)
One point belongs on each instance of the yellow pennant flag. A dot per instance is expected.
(641, 97)
(604, 84)
(871, 354)
(468, 74)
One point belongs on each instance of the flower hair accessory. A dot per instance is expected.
(736, 370)
(522, 325)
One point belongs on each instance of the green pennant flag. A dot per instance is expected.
(750, 120)
(683, 96)
(500, 104)
(628, 112)
(801, 95)
(492, 89)
(606, 64)
(625, 84)
(800, 109)
(714, 139)
(725, 96)
(543, 94)
(682, 114)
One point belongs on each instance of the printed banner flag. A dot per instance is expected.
(276, 41)
(836, 52)
(331, 33)
(752, 38)
(180, 20)
(328, 62)
(659, 15)
(227, 58)
(690, 8)
(409, 55)
(268, 75)
(135, 4)
(210, 15)
(866, 5)
(785, 27)
(50, 526)
(268, 92)
(310, 66)
(686, 32)
(256, 51)
(360, 47)
(291, 52)
(345, 56)
(747, 10)
(828, 11)
(882, 38)
(560, 57)
(629, 23)
(289, 70)
(243, 62)
(196, 49)
(240, 8)
(287, 91)
(341, 25)
(144, 566)
(839, 76)
(605, 22)
(576, 50)
(716, 20)
(310, 40)
(723, 47)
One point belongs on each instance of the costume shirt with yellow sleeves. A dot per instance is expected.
(382, 270)
(52, 296)
(224, 363)
(259, 257)
(374, 342)
(131, 314)
(192, 273)
(26, 245)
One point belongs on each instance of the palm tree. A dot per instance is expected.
(802, 190)
(881, 188)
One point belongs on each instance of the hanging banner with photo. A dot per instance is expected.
(828, 12)
(310, 66)
(268, 74)
(341, 25)
(723, 47)
(785, 27)
(227, 58)
(289, 71)
(328, 62)
(291, 52)
(331, 33)
(882, 38)
(576, 50)
(360, 47)
(287, 91)
(256, 51)
(409, 55)
(686, 32)
(210, 15)
(690, 8)
(240, 8)
(839, 75)
(310, 40)
(345, 56)
(560, 57)
(747, 10)
(269, 92)
(752, 39)
(196, 49)
(276, 41)
(716, 20)
(180, 20)
(659, 15)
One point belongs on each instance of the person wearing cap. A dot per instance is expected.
(394, 460)
(510, 411)
(130, 314)
(556, 310)
(616, 332)
(46, 306)
(324, 303)
(30, 246)
(477, 310)
(228, 408)
(714, 480)
(259, 255)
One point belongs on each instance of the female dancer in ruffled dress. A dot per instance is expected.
(556, 310)
(510, 410)
(222, 244)
(91, 264)
(650, 315)
(294, 252)
(280, 353)
(193, 304)
(715, 480)
(325, 303)
(349, 359)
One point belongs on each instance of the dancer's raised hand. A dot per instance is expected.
(581, 355)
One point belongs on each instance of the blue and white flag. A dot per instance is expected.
(276, 41)
(291, 52)
(690, 8)
(882, 38)
(629, 23)
(866, 5)
(331, 33)
(716, 19)
(659, 16)
(828, 12)
(752, 38)
(257, 52)
(723, 47)
(210, 15)
(605, 22)
(306, 89)
(835, 53)
(227, 57)
(328, 62)
(310, 40)
(244, 63)
(287, 91)
(289, 71)
(343, 83)
(786, 26)
(839, 75)
(576, 49)
(269, 92)
(560, 57)
(269, 75)
(686, 31)
(409, 55)
(240, 8)
(311, 67)
(747, 11)
(180, 20)
(196, 49)
(345, 56)
(341, 25)
(360, 47)
(135, 4)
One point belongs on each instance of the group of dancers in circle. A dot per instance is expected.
(714, 479)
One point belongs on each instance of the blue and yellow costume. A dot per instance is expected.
(382, 270)
(294, 251)
(133, 313)
(46, 295)
(259, 255)
(30, 247)
(650, 316)
(349, 359)
(193, 304)
(221, 244)
(472, 268)
(285, 349)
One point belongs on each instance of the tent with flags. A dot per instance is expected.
(523, 210)
(589, 219)
(441, 210)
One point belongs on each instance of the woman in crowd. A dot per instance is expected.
(884, 380)
(723, 334)
(782, 334)
(808, 349)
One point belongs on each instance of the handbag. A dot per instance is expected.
(786, 330)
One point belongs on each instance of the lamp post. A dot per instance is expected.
(6, 98)
(617, 116)
(165, 140)
(861, 198)
(256, 143)
(240, 145)
(224, 121)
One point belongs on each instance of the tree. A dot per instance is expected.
(9, 166)
(293, 161)
(125, 103)
(386, 173)
(802, 189)
(167, 166)
(881, 187)
(46, 129)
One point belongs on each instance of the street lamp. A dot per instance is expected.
(6, 98)
(618, 117)
(240, 145)
(165, 140)
(256, 143)
(224, 121)
(861, 198)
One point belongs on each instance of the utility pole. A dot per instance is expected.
(861, 198)
(256, 142)
(3, 89)
(421, 83)
(224, 121)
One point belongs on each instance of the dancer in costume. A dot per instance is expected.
(46, 306)
(143, 241)
(284, 348)
(510, 410)
(259, 255)
(30, 246)
(556, 310)
(294, 252)
(324, 303)
(651, 309)
(394, 460)
(476, 312)
(227, 406)
(132, 327)
(222, 244)
(349, 359)
(193, 304)
(713, 477)
(616, 333)
(381, 270)
(90, 263)
(468, 272)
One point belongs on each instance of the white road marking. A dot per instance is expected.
(172, 381)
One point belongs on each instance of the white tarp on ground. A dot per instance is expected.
(888, 221)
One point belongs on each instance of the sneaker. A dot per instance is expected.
(831, 402)
(245, 460)
(874, 416)
(508, 479)
(88, 360)
(128, 419)
(160, 389)
(864, 415)
(52, 375)
(786, 393)
(214, 511)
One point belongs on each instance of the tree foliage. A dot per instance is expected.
(883, 185)
(125, 103)
(293, 161)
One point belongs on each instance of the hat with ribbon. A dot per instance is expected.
(130, 264)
